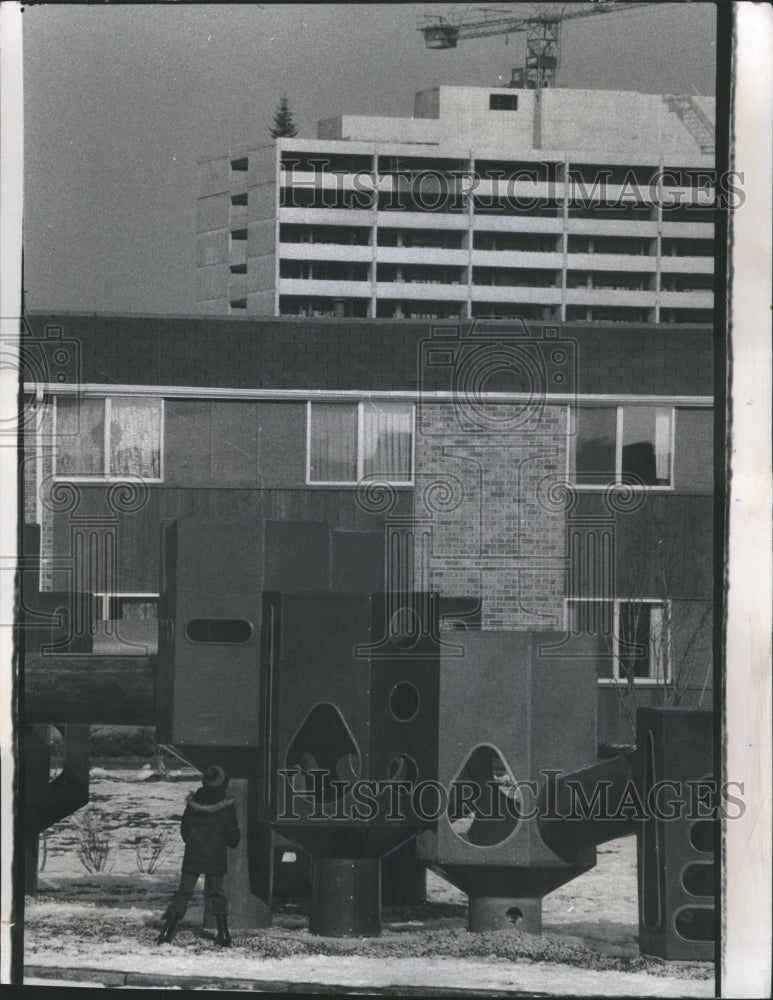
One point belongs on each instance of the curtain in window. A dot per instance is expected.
(663, 445)
(135, 438)
(80, 437)
(647, 444)
(386, 444)
(333, 443)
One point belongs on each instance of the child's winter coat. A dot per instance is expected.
(208, 827)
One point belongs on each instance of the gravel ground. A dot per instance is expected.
(109, 920)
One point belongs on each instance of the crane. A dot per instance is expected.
(541, 22)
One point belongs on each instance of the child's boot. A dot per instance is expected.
(223, 937)
(171, 920)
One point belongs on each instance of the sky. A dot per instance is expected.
(121, 101)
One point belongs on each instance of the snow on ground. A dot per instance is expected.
(109, 920)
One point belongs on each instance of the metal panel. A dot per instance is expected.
(297, 556)
(216, 578)
(334, 707)
(358, 561)
(676, 856)
(506, 714)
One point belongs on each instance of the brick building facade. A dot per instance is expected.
(540, 472)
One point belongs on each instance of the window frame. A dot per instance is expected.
(106, 476)
(620, 408)
(616, 678)
(360, 474)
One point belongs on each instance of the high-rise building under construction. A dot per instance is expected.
(578, 205)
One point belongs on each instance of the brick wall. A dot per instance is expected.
(496, 532)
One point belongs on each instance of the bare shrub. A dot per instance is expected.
(94, 842)
(157, 847)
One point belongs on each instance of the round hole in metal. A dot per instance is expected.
(404, 701)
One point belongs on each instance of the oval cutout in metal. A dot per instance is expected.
(404, 701)
(694, 923)
(698, 879)
(702, 835)
(231, 631)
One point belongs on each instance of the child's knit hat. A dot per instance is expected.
(215, 778)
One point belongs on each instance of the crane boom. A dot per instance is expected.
(443, 33)
(542, 25)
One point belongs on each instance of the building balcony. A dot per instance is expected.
(693, 230)
(421, 255)
(672, 195)
(610, 297)
(427, 182)
(421, 290)
(325, 251)
(687, 265)
(612, 227)
(422, 220)
(518, 224)
(610, 262)
(516, 258)
(522, 192)
(327, 216)
(309, 180)
(515, 293)
(597, 191)
(687, 300)
(326, 289)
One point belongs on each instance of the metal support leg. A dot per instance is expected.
(346, 897)
(246, 910)
(493, 913)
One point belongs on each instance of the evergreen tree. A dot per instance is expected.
(283, 120)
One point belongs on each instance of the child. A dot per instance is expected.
(208, 826)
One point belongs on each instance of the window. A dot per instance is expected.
(503, 102)
(622, 444)
(351, 441)
(127, 607)
(636, 633)
(110, 438)
(125, 624)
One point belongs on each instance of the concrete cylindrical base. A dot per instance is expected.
(246, 910)
(493, 913)
(403, 877)
(345, 897)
